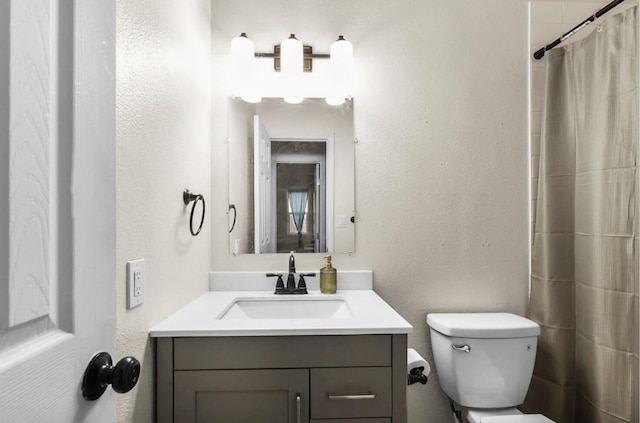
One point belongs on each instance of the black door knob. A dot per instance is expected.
(101, 373)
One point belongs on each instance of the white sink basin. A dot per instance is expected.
(287, 308)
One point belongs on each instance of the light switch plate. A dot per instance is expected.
(135, 283)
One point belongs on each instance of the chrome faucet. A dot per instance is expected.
(291, 280)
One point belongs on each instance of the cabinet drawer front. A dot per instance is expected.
(272, 352)
(351, 392)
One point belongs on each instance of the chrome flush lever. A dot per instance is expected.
(463, 348)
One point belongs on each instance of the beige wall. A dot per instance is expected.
(441, 166)
(163, 147)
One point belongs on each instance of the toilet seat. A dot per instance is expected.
(522, 418)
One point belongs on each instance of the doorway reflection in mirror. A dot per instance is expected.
(276, 148)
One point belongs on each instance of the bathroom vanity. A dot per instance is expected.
(250, 356)
(282, 379)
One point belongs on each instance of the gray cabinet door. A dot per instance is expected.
(242, 396)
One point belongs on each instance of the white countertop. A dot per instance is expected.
(372, 315)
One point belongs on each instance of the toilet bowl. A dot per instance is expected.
(484, 363)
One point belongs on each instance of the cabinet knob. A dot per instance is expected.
(101, 373)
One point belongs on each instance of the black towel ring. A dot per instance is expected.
(188, 197)
(235, 214)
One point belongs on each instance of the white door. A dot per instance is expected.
(262, 189)
(57, 214)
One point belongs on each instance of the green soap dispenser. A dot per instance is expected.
(328, 277)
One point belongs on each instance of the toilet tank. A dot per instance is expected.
(484, 360)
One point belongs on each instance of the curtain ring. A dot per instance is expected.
(188, 197)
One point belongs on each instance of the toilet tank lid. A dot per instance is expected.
(482, 325)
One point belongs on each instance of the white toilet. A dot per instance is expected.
(484, 363)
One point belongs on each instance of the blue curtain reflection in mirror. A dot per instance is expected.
(298, 205)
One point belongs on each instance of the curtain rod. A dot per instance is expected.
(540, 53)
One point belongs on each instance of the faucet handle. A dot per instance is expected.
(302, 285)
(279, 283)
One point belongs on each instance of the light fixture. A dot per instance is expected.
(242, 52)
(292, 99)
(335, 101)
(251, 99)
(291, 58)
(341, 58)
(243, 68)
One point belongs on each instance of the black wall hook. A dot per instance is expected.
(188, 197)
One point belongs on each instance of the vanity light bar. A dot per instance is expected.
(307, 58)
(293, 58)
(308, 55)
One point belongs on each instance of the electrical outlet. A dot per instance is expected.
(135, 283)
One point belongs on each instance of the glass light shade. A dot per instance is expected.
(242, 56)
(341, 54)
(291, 56)
(340, 63)
(251, 99)
(293, 99)
(335, 101)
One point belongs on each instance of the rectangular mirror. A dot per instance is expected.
(291, 177)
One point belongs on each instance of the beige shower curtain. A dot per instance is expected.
(584, 281)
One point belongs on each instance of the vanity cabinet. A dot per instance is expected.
(282, 379)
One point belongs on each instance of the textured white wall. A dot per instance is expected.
(163, 146)
(441, 167)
